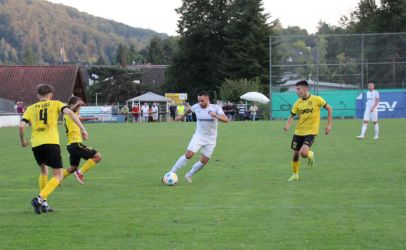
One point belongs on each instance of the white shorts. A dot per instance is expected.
(197, 144)
(371, 116)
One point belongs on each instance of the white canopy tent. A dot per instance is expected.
(148, 97)
(151, 97)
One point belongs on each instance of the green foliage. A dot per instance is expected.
(8, 54)
(122, 55)
(246, 53)
(113, 84)
(231, 90)
(46, 27)
(201, 46)
(369, 17)
(29, 56)
(389, 16)
(160, 51)
(220, 39)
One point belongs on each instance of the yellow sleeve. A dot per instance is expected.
(322, 102)
(26, 116)
(61, 106)
(295, 109)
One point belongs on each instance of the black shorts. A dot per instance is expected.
(77, 151)
(48, 154)
(299, 140)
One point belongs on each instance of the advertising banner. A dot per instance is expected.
(100, 114)
(177, 97)
(391, 105)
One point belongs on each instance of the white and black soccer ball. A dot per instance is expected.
(170, 179)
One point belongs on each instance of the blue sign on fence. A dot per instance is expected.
(391, 105)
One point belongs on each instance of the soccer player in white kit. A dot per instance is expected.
(205, 136)
(371, 111)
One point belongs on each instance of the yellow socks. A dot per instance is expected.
(42, 181)
(49, 188)
(295, 167)
(65, 173)
(310, 154)
(87, 166)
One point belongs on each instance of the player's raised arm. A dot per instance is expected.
(77, 121)
(329, 118)
(77, 105)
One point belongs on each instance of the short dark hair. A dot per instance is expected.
(203, 93)
(73, 100)
(44, 89)
(302, 83)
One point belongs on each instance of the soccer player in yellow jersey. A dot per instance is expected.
(43, 117)
(75, 147)
(307, 107)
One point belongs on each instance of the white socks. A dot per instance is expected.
(198, 165)
(182, 161)
(376, 130)
(364, 129)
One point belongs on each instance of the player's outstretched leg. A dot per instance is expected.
(89, 164)
(196, 168)
(182, 161)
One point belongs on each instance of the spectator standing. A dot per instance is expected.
(232, 111)
(253, 110)
(135, 111)
(189, 116)
(124, 111)
(155, 112)
(145, 112)
(180, 109)
(20, 108)
(241, 111)
(114, 109)
(226, 109)
(172, 111)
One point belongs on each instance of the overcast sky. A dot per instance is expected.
(159, 15)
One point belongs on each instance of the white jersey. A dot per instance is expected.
(372, 96)
(206, 127)
(144, 110)
(155, 109)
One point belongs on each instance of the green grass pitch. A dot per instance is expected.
(354, 198)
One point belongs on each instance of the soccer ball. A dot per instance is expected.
(170, 179)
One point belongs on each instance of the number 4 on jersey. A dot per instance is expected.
(43, 115)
